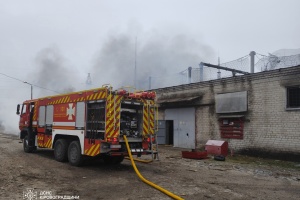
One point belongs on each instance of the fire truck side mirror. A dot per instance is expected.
(18, 109)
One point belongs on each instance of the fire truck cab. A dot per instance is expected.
(90, 123)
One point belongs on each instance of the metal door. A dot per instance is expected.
(161, 133)
(184, 126)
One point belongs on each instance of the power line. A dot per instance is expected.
(261, 54)
(29, 83)
(46, 88)
(258, 59)
(239, 59)
(11, 77)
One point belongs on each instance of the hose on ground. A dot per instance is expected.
(170, 194)
(139, 160)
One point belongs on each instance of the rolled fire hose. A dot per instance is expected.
(170, 194)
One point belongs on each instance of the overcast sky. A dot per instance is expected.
(49, 43)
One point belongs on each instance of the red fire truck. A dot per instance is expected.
(89, 123)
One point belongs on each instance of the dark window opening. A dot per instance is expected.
(293, 97)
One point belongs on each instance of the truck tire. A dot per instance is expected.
(74, 154)
(113, 159)
(61, 150)
(26, 147)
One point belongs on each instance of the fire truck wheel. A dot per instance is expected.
(61, 150)
(26, 147)
(113, 159)
(74, 154)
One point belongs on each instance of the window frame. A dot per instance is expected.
(287, 98)
(24, 109)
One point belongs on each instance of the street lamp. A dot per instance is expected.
(30, 88)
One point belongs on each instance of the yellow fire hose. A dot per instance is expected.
(170, 194)
(139, 160)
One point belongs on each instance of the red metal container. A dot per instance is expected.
(194, 154)
(216, 147)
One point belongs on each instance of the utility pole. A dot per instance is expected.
(135, 85)
(252, 60)
(30, 88)
(201, 71)
(149, 82)
(219, 72)
(189, 74)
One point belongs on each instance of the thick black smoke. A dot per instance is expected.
(157, 55)
(53, 73)
(115, 62)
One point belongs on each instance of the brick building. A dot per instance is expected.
(257, 112)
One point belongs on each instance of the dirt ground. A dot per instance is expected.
(23, 176)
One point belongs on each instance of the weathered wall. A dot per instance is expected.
(269, 126)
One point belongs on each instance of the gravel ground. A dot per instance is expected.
(36, 175)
